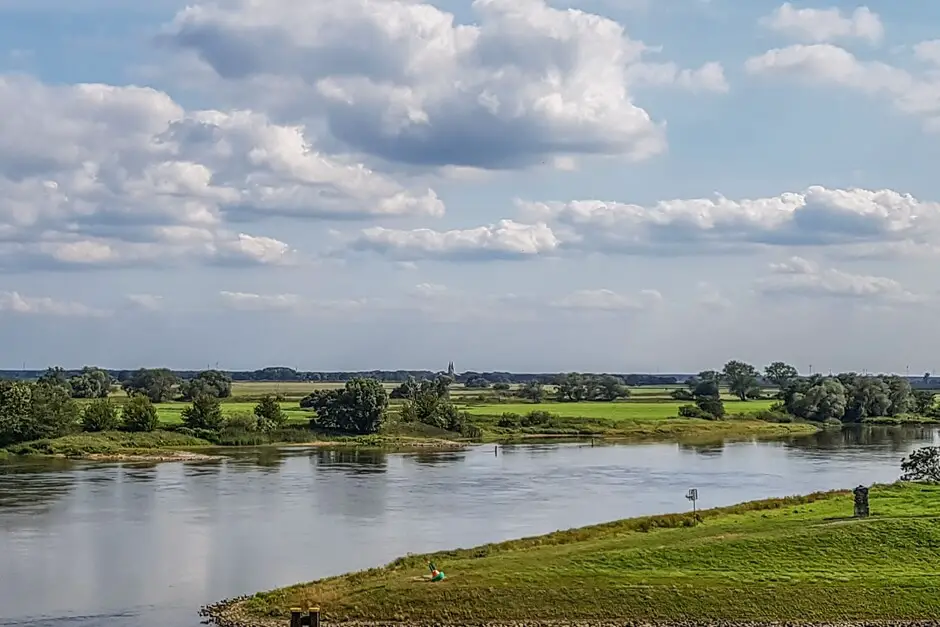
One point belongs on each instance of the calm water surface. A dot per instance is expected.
(124, 545)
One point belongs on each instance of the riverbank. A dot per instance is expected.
(801, 560)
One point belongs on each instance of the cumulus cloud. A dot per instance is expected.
(826, 64)
(801, 277)
(822, 25)
(93, 175)
(607, 300)
(815, 217)
(504, 240)
(150, 302)
(16, 303)
(405, 81)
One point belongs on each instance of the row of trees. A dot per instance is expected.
(45, 409)
(157, 384)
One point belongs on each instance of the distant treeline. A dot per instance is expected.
(281, 374)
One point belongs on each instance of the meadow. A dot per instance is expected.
(801, 559)
(618, 410)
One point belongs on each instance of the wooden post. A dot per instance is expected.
(295, 617)
(313, 615)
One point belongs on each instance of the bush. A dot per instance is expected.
(712, 406)
(682, 394)
(832, 422)
(139, 414)
(508, 420)
(769, 415)
(501, 387)
(204, 413)
(268, 413)
(694, 411)
(100, 415)
(537, 418)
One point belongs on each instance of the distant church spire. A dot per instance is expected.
(450, 369)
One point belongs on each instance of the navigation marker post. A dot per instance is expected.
(693, 496)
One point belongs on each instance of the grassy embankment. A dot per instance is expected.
(801, 559)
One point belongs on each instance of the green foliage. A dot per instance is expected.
(537, 418)
(575, 387)
(268, 413)
(91, 382)
(139, 415)
(532, 391)
(922, 465)
(713, 408)
(31, 411)
(509, 420)
(204, 413)
(501, 387)
(694, 411)
(358, 408)
(682, 394)
(207, 383)
(100, 415)
(55, 376)
(849, 397)
(157, 384)
(429, 403)
(477, 383)
(780, 374)
(741, 379)
(107, 443)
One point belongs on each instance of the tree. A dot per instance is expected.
(157, 384)
(53, 413)
(571, 388)
(269, 413)
(824, 400)
(91, 382)
(476, 383)
(139, 414)
(100, 415)
(55, 375)
(711, 405)
(208, 382)
(608, 388)
(15, 403)
(359, 407)
(924, 402)
(865, 397)
(406, 390)
(741, 378)
(922, 465)
(532, 391)
(780, 374)
(901, 395)
(430, 404)
(204, 413)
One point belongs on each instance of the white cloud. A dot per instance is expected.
(405, 81)
(815, 217)
(504, 240)
(608, 300)
(16, 303)
(826, 64)
(822, 25)
(801, 277)
(99, 175)
(710, 297)
(150, 302)
(246, 301)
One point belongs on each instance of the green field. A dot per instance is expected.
(621, 410)
(172, 413)
(802, 559)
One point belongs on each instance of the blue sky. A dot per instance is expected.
(624, 186)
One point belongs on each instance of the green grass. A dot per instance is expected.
(797, 559)
(630, 410)
(108, 443)
(172, 413)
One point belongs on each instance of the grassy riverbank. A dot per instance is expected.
(801, 559)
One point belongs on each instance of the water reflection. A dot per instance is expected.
(146, 545)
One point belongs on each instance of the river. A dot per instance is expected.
(93, 545)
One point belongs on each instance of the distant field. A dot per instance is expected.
(611, 411)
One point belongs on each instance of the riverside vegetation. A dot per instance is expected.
(86, 412)
(800, 560)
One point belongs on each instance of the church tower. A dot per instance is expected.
(450, 369)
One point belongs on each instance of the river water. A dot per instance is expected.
(92, 545)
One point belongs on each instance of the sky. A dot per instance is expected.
(525, 185)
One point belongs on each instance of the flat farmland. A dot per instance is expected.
(172, 413)
(628, 410)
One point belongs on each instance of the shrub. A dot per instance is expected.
(694, 411)
(100, 415)
(501, 387)
(537, 418)
(769, 415)
(682, 394)
(832, 422)
(204, 413)
(268, 413)
(139, 414)
(508, 420)
(712, 406)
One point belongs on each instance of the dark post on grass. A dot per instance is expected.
(861, 502)
(312, 619)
